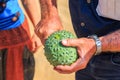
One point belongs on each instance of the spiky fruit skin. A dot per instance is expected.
(56, 53)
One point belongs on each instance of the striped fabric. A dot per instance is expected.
(16, 61)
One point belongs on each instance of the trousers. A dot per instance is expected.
(101, 67)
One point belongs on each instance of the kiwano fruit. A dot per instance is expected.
(56, 53)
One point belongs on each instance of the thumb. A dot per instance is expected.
(70, 42)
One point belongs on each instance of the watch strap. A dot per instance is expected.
(98, 44)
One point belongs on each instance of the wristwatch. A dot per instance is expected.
(98, 44)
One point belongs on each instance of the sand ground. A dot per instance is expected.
(43, 70)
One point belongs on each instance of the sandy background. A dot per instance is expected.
(43, 70)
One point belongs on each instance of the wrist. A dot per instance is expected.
(105, 44)
(98, 44)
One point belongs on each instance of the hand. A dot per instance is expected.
(36, 42)
(47, 27)
(85, 48)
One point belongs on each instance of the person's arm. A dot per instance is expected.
(50, 20)
(86, 49)
(48, 9)
(32, 8)
(111, 42)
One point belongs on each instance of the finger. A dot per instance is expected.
(70, 42)
(68, 69)
(33, 47)
(62, 72)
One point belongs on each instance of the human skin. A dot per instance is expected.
(86, 49)
(32, 12)
(50, 22)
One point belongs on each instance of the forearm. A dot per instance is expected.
(111, 42)
(48, 9)
(32, 9)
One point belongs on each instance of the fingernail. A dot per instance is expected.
(64, 41)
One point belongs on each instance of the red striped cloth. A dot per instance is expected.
(15, 40)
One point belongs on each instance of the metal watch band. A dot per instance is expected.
(97, 42)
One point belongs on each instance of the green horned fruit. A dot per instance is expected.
(56, 53)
